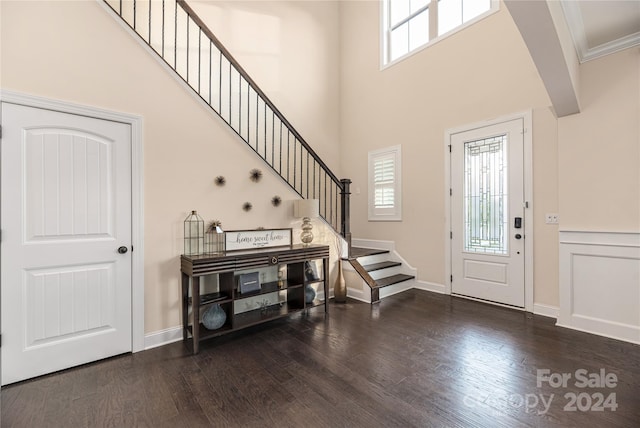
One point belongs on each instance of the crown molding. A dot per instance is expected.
(573, 16)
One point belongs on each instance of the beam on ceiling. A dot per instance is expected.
(554, 57)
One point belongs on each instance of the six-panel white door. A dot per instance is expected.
(487, 213)
(66, 210)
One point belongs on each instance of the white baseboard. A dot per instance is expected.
(429, 286)
(627, 336)
(546, 310)
(162, 337)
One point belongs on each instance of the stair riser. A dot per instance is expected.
(396, 288)
(377, 274)
(377, 258)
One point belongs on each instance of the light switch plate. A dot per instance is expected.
(551, 218)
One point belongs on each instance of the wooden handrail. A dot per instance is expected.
(183, 4)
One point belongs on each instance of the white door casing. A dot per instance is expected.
(66, 209)
(488, 256)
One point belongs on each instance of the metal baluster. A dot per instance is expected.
(307, 175)
(134, 14)
(162, 28)
(240, 105)
(187, 79)
(220, 84)
(230, 94)
(248, 140)
(288, 152)
(325, 196)
(331, 203)
(210, 67)
(280, 153)
(257, 120)
(199, 56)
(175, 41)
(314, 179)
(120, 13)
(273, 136)
(294, 164)
(149, 22)
(265, 131)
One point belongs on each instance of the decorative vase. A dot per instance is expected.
(309, 293)
(214, 317)
(310, 271)
(340, 287)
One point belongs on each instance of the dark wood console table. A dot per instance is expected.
(290, 288)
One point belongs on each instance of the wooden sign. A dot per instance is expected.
(251, 239)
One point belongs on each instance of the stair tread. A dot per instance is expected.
(393, 279)
(362, 252)
(382, 265)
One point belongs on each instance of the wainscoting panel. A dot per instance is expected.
(600, 283)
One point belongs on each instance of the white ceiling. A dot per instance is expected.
(601, 27)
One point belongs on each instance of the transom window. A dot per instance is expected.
(408, 25)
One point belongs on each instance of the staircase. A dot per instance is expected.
(379, 268)
(173, 31)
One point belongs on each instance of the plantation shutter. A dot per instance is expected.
(384, 184)
(384, 181)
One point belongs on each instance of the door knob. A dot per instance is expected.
(518, 236)
(123, 250)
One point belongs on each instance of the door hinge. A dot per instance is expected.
(450, 192)
(132, 248)
(451, 278)
(0, 132)
(450, 235)
(449, 148)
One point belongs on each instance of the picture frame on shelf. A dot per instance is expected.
(249, 282)
(255, 239)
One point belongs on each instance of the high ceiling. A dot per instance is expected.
(600, 27)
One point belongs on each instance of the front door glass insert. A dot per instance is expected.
(485, 196)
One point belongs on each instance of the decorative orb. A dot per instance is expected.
(309, 293)
(214, 317)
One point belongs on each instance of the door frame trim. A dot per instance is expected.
(526, 117)
(137, 191)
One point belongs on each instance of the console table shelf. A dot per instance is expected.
(289, 290)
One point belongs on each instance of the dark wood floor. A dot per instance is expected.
(418, 359)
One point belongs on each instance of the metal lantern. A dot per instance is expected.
(214, 239)
(193, 235)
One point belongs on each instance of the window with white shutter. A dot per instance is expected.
(384, 184)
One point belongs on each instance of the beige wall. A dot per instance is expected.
(290, 48)
(75, 51)
(599, 149)
(480, 73)
(585, 166)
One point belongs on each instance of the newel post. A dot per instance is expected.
(345, 225)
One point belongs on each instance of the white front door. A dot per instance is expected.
(487, 213)
(66, 210)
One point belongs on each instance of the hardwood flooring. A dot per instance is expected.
(417, 359)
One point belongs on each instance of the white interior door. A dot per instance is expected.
(66, 210)
(487, 213)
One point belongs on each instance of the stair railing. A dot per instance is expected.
(175, 32)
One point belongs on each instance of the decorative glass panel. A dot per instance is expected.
(486, 217)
